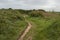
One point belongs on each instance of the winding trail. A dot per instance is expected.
(25, 31)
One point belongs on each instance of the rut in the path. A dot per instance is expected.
(25, 31)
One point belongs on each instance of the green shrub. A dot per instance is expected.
(11, 24)
(36, 14)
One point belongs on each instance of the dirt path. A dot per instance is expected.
(25, 31)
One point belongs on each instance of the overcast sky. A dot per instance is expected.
(31, 4)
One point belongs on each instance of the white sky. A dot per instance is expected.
(31, 4)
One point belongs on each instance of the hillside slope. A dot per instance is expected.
(12, 24)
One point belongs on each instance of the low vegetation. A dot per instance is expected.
(45, 25)
(12, 23)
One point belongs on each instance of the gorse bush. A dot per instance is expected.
(11, 24)
(35, 14)
(11, 14)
